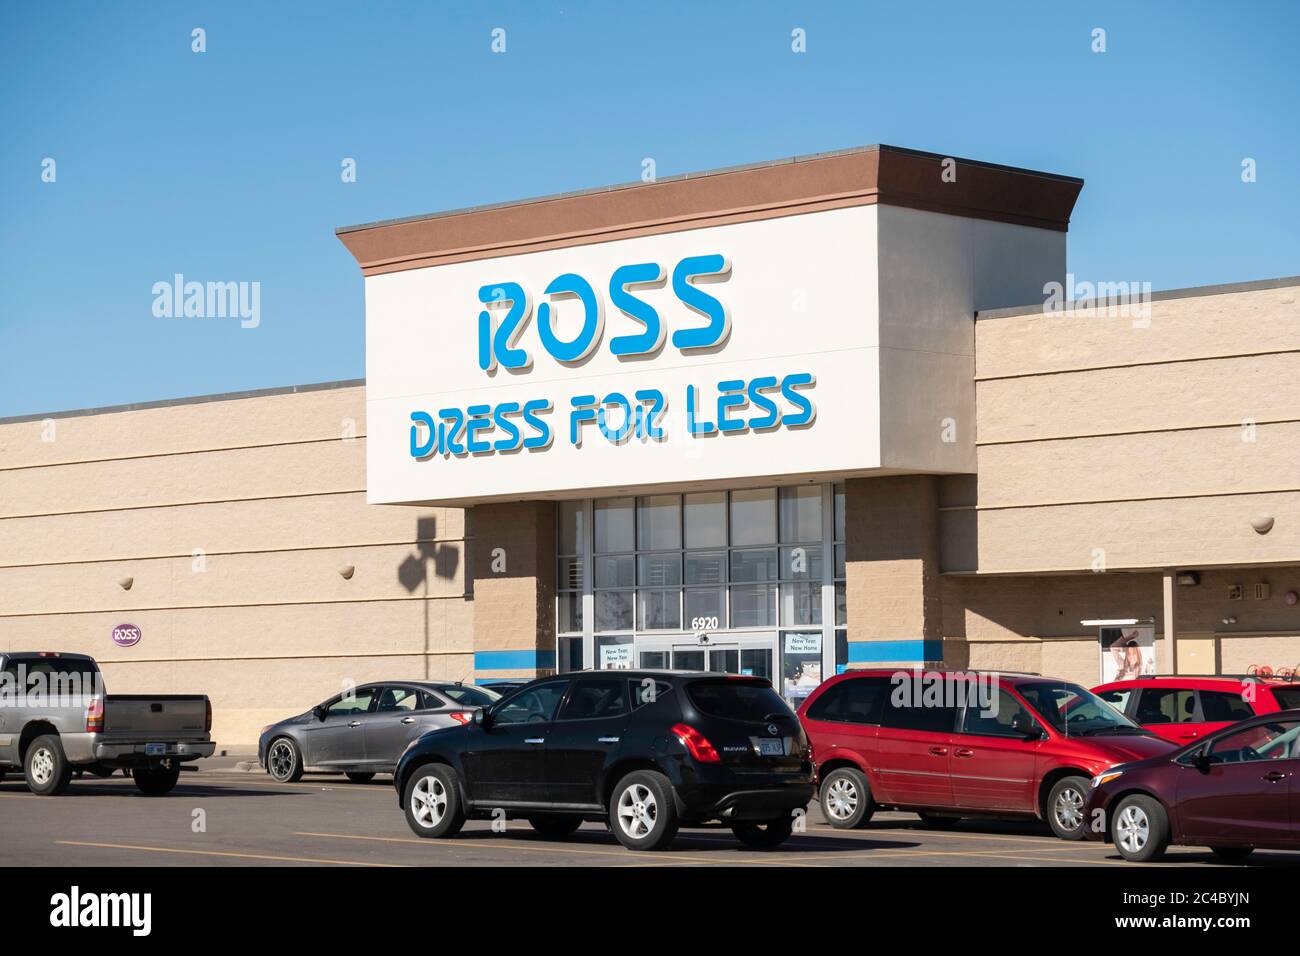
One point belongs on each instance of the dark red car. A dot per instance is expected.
(1183, 709)
(954, 744)
(1234, 791)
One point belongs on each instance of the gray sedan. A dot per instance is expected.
(363, 732)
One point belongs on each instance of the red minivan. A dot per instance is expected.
(1186, 708)
(949, 744)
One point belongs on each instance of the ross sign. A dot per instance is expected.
(126, 635)
(715, 353)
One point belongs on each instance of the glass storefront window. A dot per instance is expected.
(753, 516)
(615, 571)
(571, 536)
(802, 563)
(706, 609)
(615, 520)
(570, 611)
(753, 565)
(705, 520)
(659, 570)
(841, 605)
(801, 513)
(659, 610)
(614, 610)
(801, 603)
(750, 567)
(753, 605)
(706, 567)
(659, 522)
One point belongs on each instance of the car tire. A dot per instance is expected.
(155, 781)
(1140, 829)
(937, 821)
(845, 798)
(764, 836)
(46, 767)
(555, 825)
(360, 777)
(643, 812)
(1064, 810)
(284, 760)
(431, 801)
(1232, 854)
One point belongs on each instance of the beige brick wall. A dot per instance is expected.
(271, 491)
(513, 548)
(1141, 444)
(892, 584)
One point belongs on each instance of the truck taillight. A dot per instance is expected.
(207, 716)
(95, 715)
(696, 743)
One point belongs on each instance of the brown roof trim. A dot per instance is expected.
(859, 177)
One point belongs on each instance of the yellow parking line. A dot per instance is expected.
(245, 856)
(949, 834)
(520, 845)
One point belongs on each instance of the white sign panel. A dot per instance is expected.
(730, 352)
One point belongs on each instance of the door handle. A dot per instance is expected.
(354, 723)
(408, 720)
(965, 752)
(534, 740)
(1273, 776)
(606, 740)
(938, 751)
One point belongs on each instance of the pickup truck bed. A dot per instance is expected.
(56, 716)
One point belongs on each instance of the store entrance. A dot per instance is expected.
(752, 657)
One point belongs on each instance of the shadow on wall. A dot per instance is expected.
(413, 572)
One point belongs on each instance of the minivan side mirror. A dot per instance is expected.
(1024, 725)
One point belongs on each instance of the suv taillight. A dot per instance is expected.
(95, 715)
(207, 716)
(696, 743)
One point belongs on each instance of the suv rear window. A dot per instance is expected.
(1288, 698)
(738, 699)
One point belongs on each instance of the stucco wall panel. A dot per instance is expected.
(309, 415)
(1177, 329)
(312, 521)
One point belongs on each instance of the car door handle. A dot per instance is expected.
(939, 751)
(606, 740)
(534, 740)
(965, 752)
(1273, 776)
(354, 723)
(408, 720)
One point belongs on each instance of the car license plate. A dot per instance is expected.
(771, 748)
(154, 750)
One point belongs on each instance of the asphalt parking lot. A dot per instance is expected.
(224, 817)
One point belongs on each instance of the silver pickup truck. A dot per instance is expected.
(56, 718)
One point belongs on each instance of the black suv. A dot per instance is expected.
(646, 751)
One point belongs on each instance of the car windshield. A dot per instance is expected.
(471, 696)
(1073, 711)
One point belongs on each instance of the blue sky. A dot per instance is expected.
(225, 165)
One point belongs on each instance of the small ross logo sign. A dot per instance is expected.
(126, 635)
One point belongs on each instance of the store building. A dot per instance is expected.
(780, 419)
